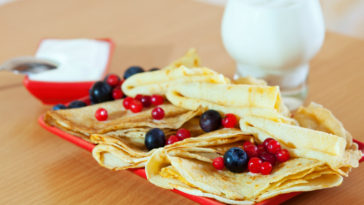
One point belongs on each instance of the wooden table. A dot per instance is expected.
(40, 168)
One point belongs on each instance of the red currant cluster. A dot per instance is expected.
(262, 157)
(115, 82)
(136, 104)
(180, 135)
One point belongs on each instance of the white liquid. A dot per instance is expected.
(79, 60)
(269, 3)
(273, 37)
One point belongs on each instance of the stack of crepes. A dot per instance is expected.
(321, 150)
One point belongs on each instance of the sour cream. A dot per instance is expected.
(79, 60)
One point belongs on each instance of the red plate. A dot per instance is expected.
(141, 172)
(63, 92)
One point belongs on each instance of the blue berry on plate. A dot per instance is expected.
(210, 120)
(154, 138)
(153, 69)
(92, 100)
(100, 92)
(59, 107)
(235, 160)
(76, 104)
(132, 71)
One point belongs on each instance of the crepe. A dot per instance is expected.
(311, 141)
(185, 69)
(250, 81)
(124, 149)
(187, 166)
(158, 82)
(190, 60)
(242, 100)
(81, 121)
(316, 117)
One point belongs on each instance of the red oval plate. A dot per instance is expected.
(141, 172)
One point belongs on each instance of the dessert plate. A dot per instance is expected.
(140, 172)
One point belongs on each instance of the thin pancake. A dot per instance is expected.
(158, 82)
(316, 117)
(242, 100)
(304, 142)
(83, 121)
(192, 174)
(125, 149)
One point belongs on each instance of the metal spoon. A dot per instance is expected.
(28, 65)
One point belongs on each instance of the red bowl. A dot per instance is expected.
(63, 92)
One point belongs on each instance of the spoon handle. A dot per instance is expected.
(28, 64)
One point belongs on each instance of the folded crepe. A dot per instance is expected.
(124, 149)
(190, 60)
(82, 122)
(187, 166)
(185, 69)
(250, 81)
(316, 117)
(321, 137)
(240, 99)
(158, 82)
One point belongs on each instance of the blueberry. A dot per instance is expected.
(132, 71)
(153, 69)
(210, 120)
(59, 107)
(154, 138)
(76, 104)
(100, 92)
(92, 99)
(235, 159)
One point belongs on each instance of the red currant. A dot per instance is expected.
(145, 100)
(183, 134)
(158, 113)
(282, 155)
(138, 97)
(101, 114)
(117, 93)
(113, 80)
(218, 163)
(172, 139)
(157, 100)
(136, 106)
(250, 149)
(254, 165)
(127, 102)
(229, 121)
(266, 141)
(268, 157)
(266, 168)
(273, 146)
(246, 144)
(261, 149)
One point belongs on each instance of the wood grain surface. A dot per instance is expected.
(40, 168)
